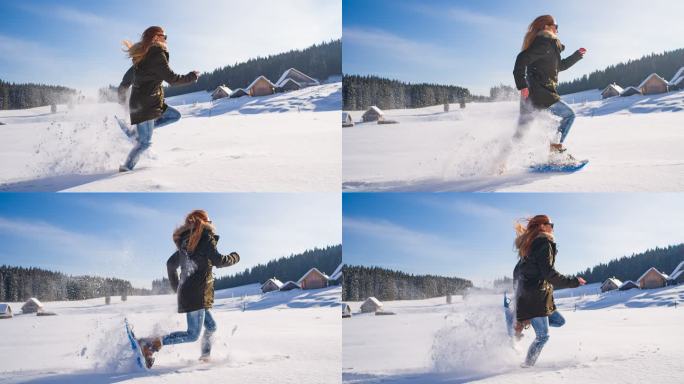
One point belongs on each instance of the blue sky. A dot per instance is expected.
(129, 235)
(471, 235)
(77, 43)
(474, 43)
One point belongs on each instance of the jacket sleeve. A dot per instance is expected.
(160, 67)
(219, 260)
(126, 83)
(172, 270)
(570, 61)
(549, 273)
(525, 58)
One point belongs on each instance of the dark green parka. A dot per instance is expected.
(195, 288)
(536, 277)
(147, 96)
(537, 68)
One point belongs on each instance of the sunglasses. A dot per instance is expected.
(549, 223)
(554, 25)
(166, 37)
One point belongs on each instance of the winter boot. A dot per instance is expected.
(149, 346)
(519, 326)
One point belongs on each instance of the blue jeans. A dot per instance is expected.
(567, 115)
(541, 329)
(195, 321)
(144, 139)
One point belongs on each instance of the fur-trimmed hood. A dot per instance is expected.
(546, 235)
(552, 36)
(184, 230)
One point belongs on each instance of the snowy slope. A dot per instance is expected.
(283, 142)
(293, 340)
(617, 337)
(633, 144)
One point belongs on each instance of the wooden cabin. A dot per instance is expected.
(271, 284)
(653, 84)
(346, 311)
(290, 285)
(347, 120)
(220, 92)
(5, 311)
(313, 279)
(610, 284)
(238, 93)
(32, 305)
(627, 285)
(298, 77)
(611, 90)
(373, 114)
(371, 305)
(289, 85)
(261, 86)
(629, 91)
(652, 279)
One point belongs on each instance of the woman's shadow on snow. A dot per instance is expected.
(92, 377)
(54, 183)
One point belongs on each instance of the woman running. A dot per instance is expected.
(150, 68)
(196, 255)
(536, 74)
(535, 279)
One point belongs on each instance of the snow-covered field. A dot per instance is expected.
(280, 337)
(617, 337)
(632, 144)
(279, 143)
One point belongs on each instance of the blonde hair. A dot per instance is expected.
(538, 25)
(525, 234)
(138, 50)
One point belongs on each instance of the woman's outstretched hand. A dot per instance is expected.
(582, 51)
(525, 93)
(581, 280)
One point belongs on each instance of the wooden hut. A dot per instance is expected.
(610, 284)
(5, 311)
(652, 279)
(220, 92)
(290, 285)
(32, 305)
(371, 305)
(313, 279)
(346, 311)
(261, 86)
(373, 114)
(271, 284)
(629, 91)
(238, 93)
(653, 84)
(289, 85)
(298, 77)
(627, 285)
(347, 120)
(611, 90)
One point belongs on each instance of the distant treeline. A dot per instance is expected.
(632, 267)
(360, 92)
(319, 61)
(631, 73)
(385, 284)
(286, 268)
(20, 284)
(21, 96)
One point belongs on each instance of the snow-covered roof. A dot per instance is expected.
(613, 86)
(224, 89)
(275, 281)
(346, 116)
(677, 80)
(293, 71)
(374, 301)
(649, 270)
(627, 282)
(256, 80)
(675, 276)
(614, 280)
(678, 76)
(337, 273)
(314, 269)
(290, 282)
(35, 301)
(282, 84)
(5, 308)
(376, 110)
(643, 83)
(632, 88)
(679, 267)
